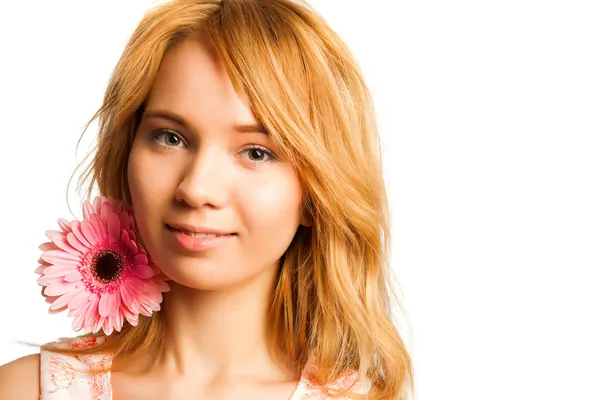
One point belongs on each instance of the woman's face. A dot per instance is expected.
(189, 164)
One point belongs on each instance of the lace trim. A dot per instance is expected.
(58, 380)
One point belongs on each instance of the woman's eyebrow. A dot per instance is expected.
(240, 128)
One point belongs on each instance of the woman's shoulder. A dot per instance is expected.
(26, 377)
(20, 379)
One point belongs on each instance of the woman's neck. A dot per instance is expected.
(217, 333)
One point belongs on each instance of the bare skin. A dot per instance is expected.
(200, 173)
(215, 344)
(20, 378)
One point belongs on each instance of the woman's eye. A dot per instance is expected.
(166, 138)
(170, 139)
(257, 154)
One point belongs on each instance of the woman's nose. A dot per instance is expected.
(204, 181)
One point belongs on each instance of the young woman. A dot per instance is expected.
(247, 119)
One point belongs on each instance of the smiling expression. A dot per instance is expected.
(200, 158)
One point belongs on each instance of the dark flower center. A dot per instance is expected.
(107, 266)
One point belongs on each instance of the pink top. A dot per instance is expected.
(59, 382)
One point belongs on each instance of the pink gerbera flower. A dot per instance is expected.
(95, 268)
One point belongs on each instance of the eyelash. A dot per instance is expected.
(159, 132)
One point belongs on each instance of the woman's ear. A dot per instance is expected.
(306, 221)
(306, 217)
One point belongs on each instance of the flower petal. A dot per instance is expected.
(97, 202)
(119, 317)
(148, 298)
(124, 237)
(62, 242)
(75, 311)
(51, 311)
(77, 324)
(57, 288)
(136, 284)
(139, 258)
(42, 262)
(47, 246)
(99, 226)
(79, 300)
(73, 276)
(90, 232)
(50, 299)
(107, 326)
(162, 286)
(142, 271)
(88, 209)
(105, 210)
(82, 310)
(145, 310)
(132, 318)
(108, 304)
(59, 270)
(97, 324)
(124, 218)
(51, 234)
(134, 306)
(113, 225)
(76, 225)
(64, 225)
(131, 247)
(127, 294)
(63, 300)
(75, 243)
(91, 311)
(47, 280)
(56, 256)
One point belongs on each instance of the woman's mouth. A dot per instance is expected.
(200, 235)
(196, 242)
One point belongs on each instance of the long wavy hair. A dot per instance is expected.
(335, 291)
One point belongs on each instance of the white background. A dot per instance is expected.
(489, 115)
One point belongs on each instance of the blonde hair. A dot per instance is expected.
(333, 295)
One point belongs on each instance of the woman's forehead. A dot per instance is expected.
(192, 83)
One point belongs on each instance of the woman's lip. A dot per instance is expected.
(188, 243)
(217, 234)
